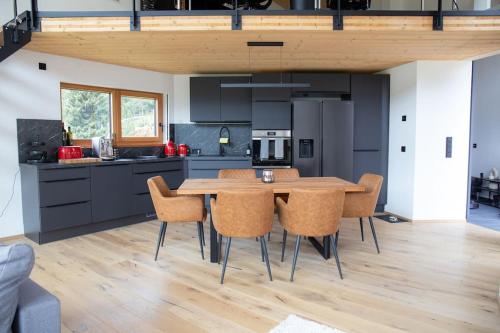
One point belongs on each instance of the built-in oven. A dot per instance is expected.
(271, 149)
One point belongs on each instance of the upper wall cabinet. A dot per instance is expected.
(370, 94)
(211, 103)
(271, 94)
(235, 103)
(323, 82)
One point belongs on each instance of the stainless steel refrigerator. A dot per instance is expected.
(323, 138)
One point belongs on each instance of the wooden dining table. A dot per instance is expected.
(211, 187)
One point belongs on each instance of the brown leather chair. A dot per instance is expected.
(312, 213)
(171, 208)
(243, 214)
(237, 174)
(363, 204)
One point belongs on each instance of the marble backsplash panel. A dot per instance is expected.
(38, 135)
(206, 137)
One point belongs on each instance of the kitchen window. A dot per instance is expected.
(130, 118)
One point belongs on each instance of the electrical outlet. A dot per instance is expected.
(403, 118)
(403, 149)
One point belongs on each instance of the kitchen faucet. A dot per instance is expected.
(223, 140)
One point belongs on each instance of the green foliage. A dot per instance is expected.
(138, 117)
(88, 113)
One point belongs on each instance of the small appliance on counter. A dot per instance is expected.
(170, 149)
(183, 150)
(69, 152)
(36, 154)
(102, 148)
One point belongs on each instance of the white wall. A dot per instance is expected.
(26, 92)
(403, 102)
(436, 95)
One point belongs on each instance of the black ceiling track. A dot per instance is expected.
(258, 44)
(16, 34)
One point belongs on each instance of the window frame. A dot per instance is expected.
(115, 116)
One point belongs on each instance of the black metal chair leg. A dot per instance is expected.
(203, 233)
(226, 255)
(161, 234)
(295, 255)
(266, 256)
(283, 245)
(374, 233)
(200, 237)
(220, 248)
(261, 251)
(337, 238)
(361, 227)
(335, 254)
(269, 237)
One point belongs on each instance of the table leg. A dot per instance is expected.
(214, 245)
(323, 249)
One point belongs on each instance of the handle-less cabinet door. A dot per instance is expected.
(307, 138)
(337, 147)
(370, 94)
(205, 99)
(323, 82)
(271, 94)
(112, 196)
(271, 116)
(235, 103)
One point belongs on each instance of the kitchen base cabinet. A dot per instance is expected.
(66, 201)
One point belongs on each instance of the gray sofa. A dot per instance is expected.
(37, 311)
(25, 307)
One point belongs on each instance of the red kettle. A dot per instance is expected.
(183, 150)
(170, 149)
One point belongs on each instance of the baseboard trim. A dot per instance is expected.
(12, 238)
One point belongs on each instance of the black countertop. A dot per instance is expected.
(55, 165)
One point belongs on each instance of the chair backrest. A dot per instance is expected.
(372, 184)
(158, 190)
(237, 174)
(315, 212)
(286, 173)
(246, 213)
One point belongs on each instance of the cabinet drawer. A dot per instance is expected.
(173, 179)
(143, 204)
(63, 174)
(157, 167)
(64, 192)
(220, 164)
(60, 217)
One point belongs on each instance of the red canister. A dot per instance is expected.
(170, 148)
(69, 152)
(183, 150)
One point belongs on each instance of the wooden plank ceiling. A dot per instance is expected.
(207, 45)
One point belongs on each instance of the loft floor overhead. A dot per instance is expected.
(216, 41)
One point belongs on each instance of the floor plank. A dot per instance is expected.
(429, 277)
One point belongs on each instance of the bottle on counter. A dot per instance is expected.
(64, 137)
(69, 135)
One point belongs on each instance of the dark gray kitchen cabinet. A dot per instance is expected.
(211, 103)
(370, 94)
(271, 115)
(235, 103)
(323, 82)
(112, 196)
(271, 94)
(205, 99)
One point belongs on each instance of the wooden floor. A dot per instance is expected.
(429, 277)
